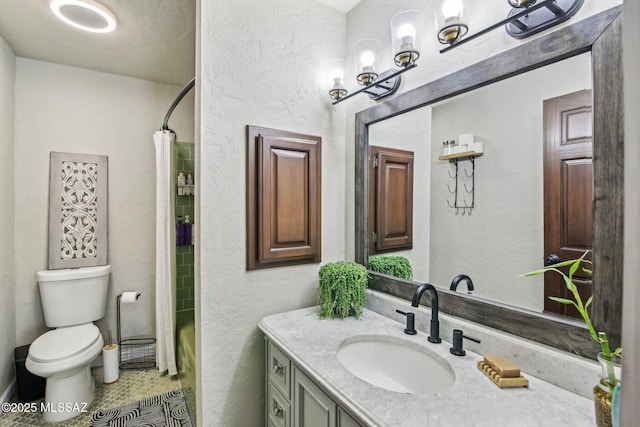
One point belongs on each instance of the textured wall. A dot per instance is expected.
(7, 271)
(259, 64)
(66, 109)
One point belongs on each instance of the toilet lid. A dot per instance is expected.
(63, 342)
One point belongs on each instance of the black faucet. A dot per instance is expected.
(459, 278)
(434, 335)
(457, 349)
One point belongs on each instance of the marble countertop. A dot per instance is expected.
(473, 400)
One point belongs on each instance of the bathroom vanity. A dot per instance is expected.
(308, 385)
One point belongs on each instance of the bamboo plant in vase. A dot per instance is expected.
(609, 360)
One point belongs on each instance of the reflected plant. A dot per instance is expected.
(392, 265)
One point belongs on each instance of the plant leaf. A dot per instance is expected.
(562, 300)
(543, 270)
(586, 304)
(569, 283)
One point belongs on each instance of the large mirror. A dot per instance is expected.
(503, 235)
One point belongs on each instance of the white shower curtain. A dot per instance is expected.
(165, 258)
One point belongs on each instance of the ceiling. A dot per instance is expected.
(155, 39)
(343, 6)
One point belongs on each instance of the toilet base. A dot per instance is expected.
(68, 396)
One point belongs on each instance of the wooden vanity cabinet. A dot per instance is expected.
(293, 399)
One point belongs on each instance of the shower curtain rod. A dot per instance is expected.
(187, 88)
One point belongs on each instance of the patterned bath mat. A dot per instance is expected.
(167, 409)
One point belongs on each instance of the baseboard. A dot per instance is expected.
(7, 394)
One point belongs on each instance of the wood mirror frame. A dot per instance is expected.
(600, 34)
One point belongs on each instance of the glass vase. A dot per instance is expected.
(610, 376)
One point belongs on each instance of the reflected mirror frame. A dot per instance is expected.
(601, 34)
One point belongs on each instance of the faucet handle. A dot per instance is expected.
(457, 349)
(410, 329)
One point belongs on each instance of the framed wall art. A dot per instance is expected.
(78, 186)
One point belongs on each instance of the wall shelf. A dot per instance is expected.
(460, 198)
(464, 154)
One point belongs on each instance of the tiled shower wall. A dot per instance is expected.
(184, 162)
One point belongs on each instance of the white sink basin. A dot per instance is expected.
(396, 364)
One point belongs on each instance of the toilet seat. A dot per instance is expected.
(64, 343)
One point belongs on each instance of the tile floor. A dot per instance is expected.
(132, 386)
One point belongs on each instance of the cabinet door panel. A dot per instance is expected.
(311, 407)
(283, 198)
(345, 420)
(391, 199)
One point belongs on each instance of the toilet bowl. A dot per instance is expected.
(71, 300)
(63, 356)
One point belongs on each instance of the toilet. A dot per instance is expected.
(72, 299)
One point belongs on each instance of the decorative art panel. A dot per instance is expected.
(77, 210)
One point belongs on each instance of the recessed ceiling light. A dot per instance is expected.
(87, 15)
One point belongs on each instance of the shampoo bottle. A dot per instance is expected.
(187, 230)
(179, 232)
(188, 188)
(181, 183)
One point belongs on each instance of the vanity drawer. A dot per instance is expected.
(278, 408)
(279, 369)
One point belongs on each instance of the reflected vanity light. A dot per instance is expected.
(87, 15)
(526, 18)
(406, 28)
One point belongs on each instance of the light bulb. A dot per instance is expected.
(336, 75)
(407, 34)
(367, 59)
(452, 9)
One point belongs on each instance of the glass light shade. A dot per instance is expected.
(406, 28)
(87, 15)
(450, 21)
(367, 54)
(521, 3)
(336, 69)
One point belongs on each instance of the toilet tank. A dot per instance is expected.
(73, 296)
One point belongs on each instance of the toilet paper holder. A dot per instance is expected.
(134, 352)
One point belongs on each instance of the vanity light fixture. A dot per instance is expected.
(526, 18)
(406, 28)
(450, 24)
(335, 75)
(87, 15)
(367, 52)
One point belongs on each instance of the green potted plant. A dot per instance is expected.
(341, 291)
(609, 360)
(392, 265)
